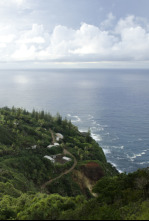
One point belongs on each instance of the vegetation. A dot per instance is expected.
(34, 188)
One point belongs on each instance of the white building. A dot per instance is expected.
(49, 158)
(34, 147)
(56, 144)
(59, 137)
(53, 145)
(67, 158)
(50, 146)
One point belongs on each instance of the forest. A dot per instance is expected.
(86, 187)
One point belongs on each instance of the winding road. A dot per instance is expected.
(64, 173)
(65, 152)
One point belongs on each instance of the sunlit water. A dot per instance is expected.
(114, 104)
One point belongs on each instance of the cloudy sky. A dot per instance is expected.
(74, 33)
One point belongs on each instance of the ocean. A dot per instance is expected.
(113, 104)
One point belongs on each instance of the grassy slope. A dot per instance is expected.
(23, 171)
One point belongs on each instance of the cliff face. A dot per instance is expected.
(92, 171)
(87, 176)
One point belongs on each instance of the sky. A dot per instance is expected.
(74, 34)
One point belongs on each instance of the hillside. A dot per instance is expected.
(50, 170)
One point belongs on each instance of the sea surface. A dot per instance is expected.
(113, 104)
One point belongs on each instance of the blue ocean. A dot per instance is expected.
(113, 104)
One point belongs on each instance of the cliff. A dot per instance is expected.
(71, 179)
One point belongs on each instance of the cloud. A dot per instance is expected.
(7, 3)
(134, 40)
(24, 53)
(108, 23)
(90, 40)
(127, 40)
(36, 35)
(18, 2)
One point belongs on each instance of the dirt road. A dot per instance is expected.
(64, 173)
(65, 152)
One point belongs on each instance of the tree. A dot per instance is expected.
(88, 136)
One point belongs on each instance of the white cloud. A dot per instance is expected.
(91, 40)
(36, 35)
(108, 23)
(134, 40)
(6, 39)
(24, 53)
(127, 41)
(18, 2)
(8, 3)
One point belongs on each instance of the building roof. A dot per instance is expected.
(34, 147)
(50, 146)
(59, 136)
(49, 158)
(56, 144)
(67, 158)
(53, 145)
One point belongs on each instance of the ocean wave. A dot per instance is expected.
(129, 157)
(93, 128)
(115, 138)
(94, 122)
(97, 129)
(90, 117)
(74, 119)
(118, 147)
(83, 130)
(132, 158)
(113, 164)
(146, 150)
(120, 158)
(143, 163)
(140, 139)
(107, 133)
(138, 155)
(96, 137)
(106, 150)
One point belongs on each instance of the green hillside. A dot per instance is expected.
(70, 180)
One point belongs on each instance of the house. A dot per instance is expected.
(50, 146)
(34, 147)
(56, 144)
(59, 137)
(49, 158)
(53, 145)
(67, 158)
